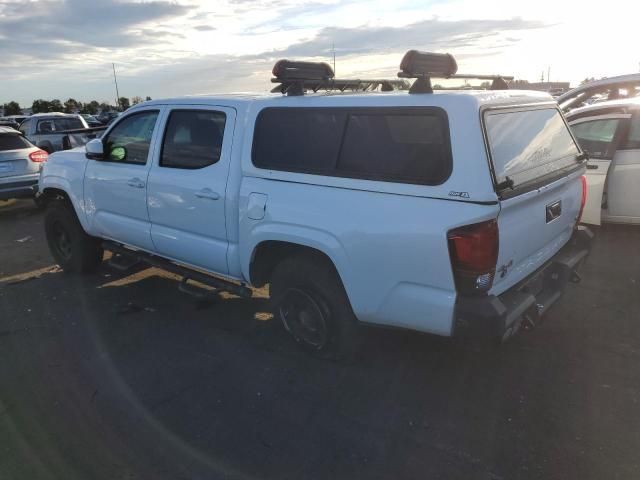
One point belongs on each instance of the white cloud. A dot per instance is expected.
(64, 48)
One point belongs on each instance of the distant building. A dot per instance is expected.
(555, 88)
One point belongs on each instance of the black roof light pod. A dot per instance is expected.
(423, 66)
(293, 74)
(289, 70)
(426, 65)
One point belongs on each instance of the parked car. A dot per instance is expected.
(610, 133)
(17, 118)
(9, 122)
(453, 213)
(107, 117)
(47, 130)
(91, 120)
(613, 88)
(20, 165)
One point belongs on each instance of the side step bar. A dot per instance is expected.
(136, 256)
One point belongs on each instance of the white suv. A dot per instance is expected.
(453, 213)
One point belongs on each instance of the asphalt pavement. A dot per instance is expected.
(121, 376)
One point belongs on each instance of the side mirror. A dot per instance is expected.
(94, 149)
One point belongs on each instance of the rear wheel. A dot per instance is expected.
(308, 297)
(70, 246)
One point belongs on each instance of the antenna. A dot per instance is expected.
(333, 49)
(115, 79)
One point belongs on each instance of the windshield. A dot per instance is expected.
(528, 144)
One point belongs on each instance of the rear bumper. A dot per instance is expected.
(23, 188)
(501, 316)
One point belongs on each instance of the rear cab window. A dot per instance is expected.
(528, 147)
(405, 145)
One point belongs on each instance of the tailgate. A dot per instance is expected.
(537, 169)
(533, 226)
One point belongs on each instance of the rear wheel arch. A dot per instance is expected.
(269, 253)
(309, 297)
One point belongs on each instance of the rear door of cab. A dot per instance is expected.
(599, 136)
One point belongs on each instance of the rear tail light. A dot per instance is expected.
(474, 253)
(39, 156)
(583, 200)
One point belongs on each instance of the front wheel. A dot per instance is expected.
(70, 246)
(310, 300)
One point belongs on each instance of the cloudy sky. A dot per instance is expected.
(64, 48)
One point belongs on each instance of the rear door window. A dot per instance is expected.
(526, 145)
(193, 139)
(393, 145)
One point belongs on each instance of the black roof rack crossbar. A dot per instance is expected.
(299, 86)
(482, 77)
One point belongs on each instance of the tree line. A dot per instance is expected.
(72, 106)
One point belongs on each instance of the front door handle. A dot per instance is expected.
(208, 194)
(136, 183)
(592, 167)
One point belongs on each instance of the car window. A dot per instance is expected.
(633, 138)
(526, 145)
(596, 136)
(44, 126)
(192, 139)
(134, 134)
(71, 123)
(24, 126)
(298, 140)
(13, 142)
(397, 145)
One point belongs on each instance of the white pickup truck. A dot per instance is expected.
(451, 212)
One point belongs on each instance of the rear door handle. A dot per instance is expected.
(135, 183)
(208, 194)
(592, 167)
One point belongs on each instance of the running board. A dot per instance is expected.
(185, 272)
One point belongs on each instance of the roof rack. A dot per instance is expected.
(295, 78)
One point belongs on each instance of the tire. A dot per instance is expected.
(70, 246)
(309, 298)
